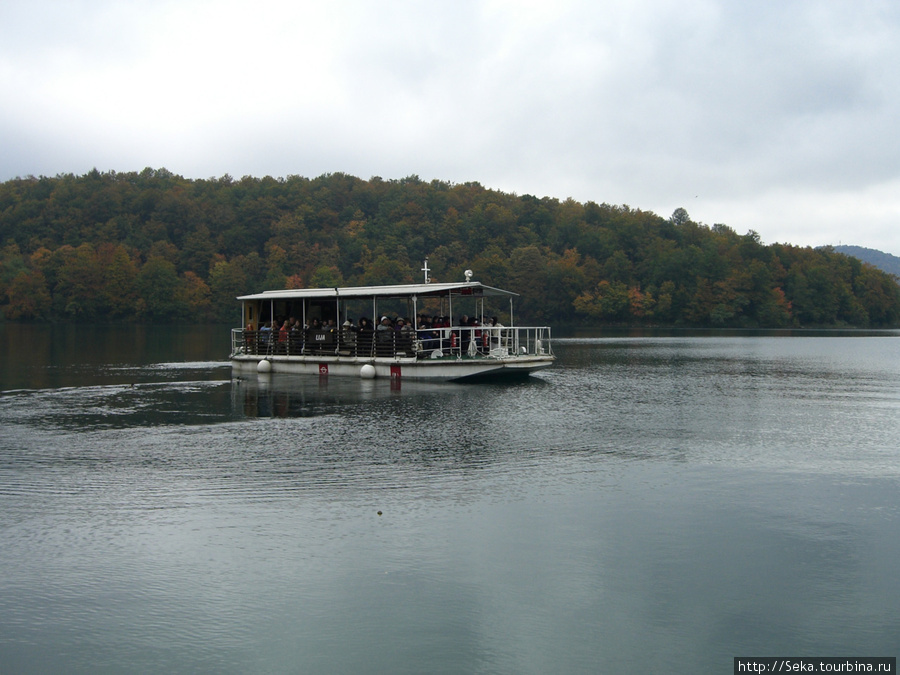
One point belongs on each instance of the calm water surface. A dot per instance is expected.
(647, 505)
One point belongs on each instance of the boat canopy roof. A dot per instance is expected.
(399, 291)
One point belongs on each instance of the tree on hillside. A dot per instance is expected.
(152, 245)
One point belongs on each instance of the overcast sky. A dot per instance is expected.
(780, 117)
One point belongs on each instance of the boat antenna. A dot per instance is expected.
(426, 270)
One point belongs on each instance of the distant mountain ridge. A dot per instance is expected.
(883, 261)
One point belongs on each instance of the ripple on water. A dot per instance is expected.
(703, 493)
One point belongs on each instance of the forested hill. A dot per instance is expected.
(883, 261)
(156, 246)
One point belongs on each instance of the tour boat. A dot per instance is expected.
(433, 331)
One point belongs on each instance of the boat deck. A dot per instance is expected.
(459, 342)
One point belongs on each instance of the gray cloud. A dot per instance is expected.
(777, 117)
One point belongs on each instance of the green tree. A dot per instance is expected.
(565, 280)
(12, 263)
(158, 286)
(119, 283)
(80, 282)
(198, 252)
(228, 280)
(880, 297)
(384, 271)
(528, 274)
(326, 277)
(609, 301)
(29, 297)
(193, 296)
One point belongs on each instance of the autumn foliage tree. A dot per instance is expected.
(154, 246)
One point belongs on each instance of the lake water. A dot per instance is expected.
(649, 504)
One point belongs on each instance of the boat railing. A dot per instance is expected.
(484, 341)
(457, 341)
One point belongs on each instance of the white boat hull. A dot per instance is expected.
(445, 369)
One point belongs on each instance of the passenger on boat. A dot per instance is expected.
(438, 324)
(265, 333)
(295, 339)
(249, 339)
(365, 337)
(404, 339)
(283, 337)
(348, 332)
(476, 345)
(431, 334)
(423, 332)
(385, 338)
(465, 333)
(265, 337)
(493, 331)
(383, 332)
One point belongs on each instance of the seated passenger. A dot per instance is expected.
(428, 336)
(265, 333)
(348, 332)
(383, 332)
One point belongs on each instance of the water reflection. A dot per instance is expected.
(807, 404)
(280, 395)
(641, 503)
(53, 356)
(96, 407)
